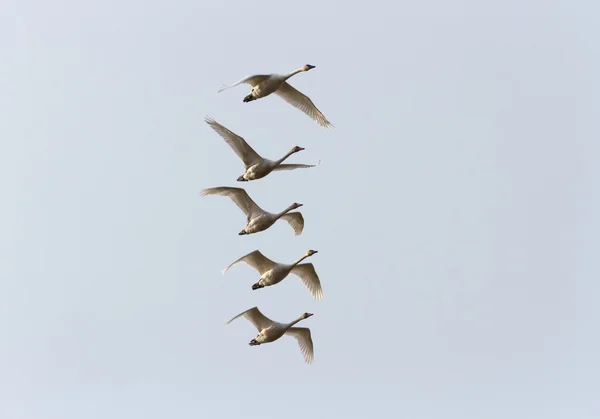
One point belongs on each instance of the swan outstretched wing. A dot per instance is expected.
(295, 166)
(239, 196)
(296, 220)
(302, 102)
(254, 316)
(257, 260)
(302, 335)
(251, 80)
(310, 279)
(237, 143)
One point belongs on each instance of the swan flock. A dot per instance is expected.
(258, 220)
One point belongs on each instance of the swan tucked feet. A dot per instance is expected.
(249, 98)
(241, 233)
(257, 286)
(241, 179)
(253, 342)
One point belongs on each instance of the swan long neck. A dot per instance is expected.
(300, 70)
(299, 260)
(278, 162)
(295, 321)
(285, 211)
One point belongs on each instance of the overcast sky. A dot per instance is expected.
(455, 209)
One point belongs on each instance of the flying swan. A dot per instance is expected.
(265, 84)
(272, 273)
(270, 331)
(258, 219)
(257, 167)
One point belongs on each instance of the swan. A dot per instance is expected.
(272, 273)
(265, 84)
(270, 331)
(258, 219)
(256, 166)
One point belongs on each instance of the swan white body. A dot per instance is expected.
(272, 273)
(258, 219)
(265, 84)
(257, 167)
(270, 331)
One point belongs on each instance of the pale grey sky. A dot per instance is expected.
(455, 209)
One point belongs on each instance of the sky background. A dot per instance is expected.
(455, 209)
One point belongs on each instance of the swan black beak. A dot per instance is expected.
(310, 67)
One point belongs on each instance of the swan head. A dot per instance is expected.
(295, 205)
(308, 67)
(311, 252)
(297, 149)
(306, 315)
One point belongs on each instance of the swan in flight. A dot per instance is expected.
(270, 331)
(272, 273)
(265, 84)
(256, 166)
(257, 218)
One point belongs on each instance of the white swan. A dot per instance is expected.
(270, 331)
(272, 273)
(265, 84)
(256, 166)
(258, 219)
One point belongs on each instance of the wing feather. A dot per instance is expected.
(251, 80)
(239, 196)
(304, 338)
(254, 316)
(237, 143)
(303, 103)
(295, 166)
(255, 259)
(296, 220)
(307, 274)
